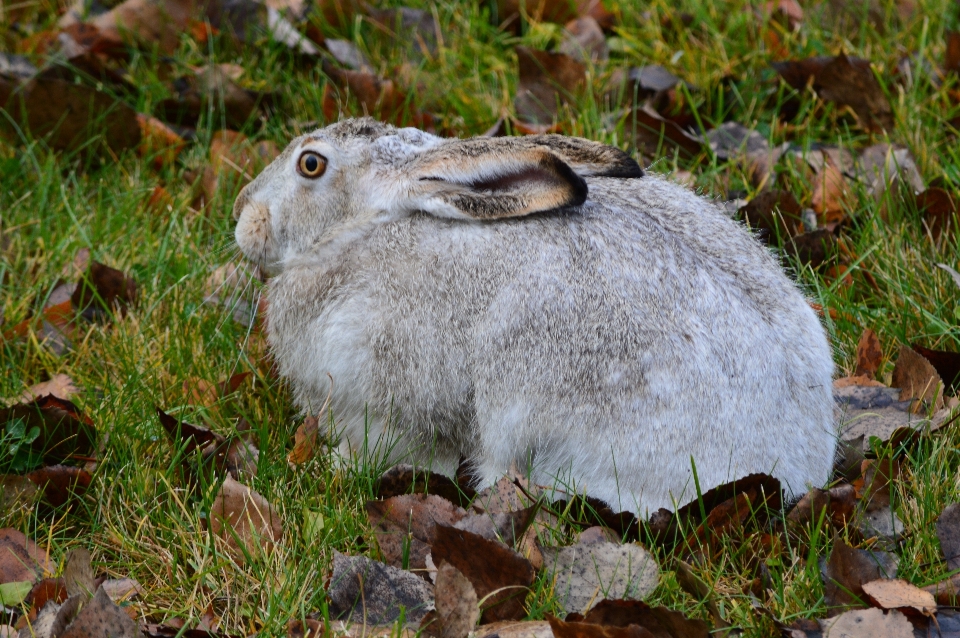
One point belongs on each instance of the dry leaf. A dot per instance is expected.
(147, 22)
(16, 491)
(407, 479)
(659, 621)
(61, 483)
(948, 531)
(69, 115)
(587, 574)
(583, 40)
(103, 290)
(244, 519)
(917, 379)
(846, 81)
(847, 570)
(939, 211)
(101, 617)
(370, 593)
(64, 433)
(547, 82)
(78, 576)
(21, 559)
(829, 193)
(655, 135)
(776, 214)
(899, 594)
(60, 386)
(865, 412)
(305, 442)
(869, 622)
(884, 167)
(500, 576)
(869, 355)
(159, 144)
(457, 610)
(406, 526)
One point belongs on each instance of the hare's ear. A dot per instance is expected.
(587, 158)
(474, 179)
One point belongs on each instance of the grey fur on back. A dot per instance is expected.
(606, 344)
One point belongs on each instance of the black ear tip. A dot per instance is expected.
(626, 169)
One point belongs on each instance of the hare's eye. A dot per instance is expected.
(311, 164)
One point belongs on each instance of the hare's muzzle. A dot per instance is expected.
(253, 233)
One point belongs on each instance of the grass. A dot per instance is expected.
(141, 520)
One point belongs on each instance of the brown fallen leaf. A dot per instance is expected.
(410, 26)
(46, 590)
(734, 142)
(306, 442)
(201, 392)
(844, 80)
(847, 570)
(60, 386)
(867, 412)
(948, 532)
(376, 96)
(947, 364)
(122, 589)
(776, 214)
(366, 592)
(951, 55)
(16, 491)
(406, 526)
(147, 22)
(507, 527)
(879, 477)
(548, 81)
(211, 88)
(869, 355)
(159, 144)
(816, 247)
(660, 621)
(583, 40)
(585, 574)
(884, 168)
(244, 519)
(655, 135)
(103, 290)
(101, 617)
(457, 611)
(21, 559)
(59, 484)
(78, 576)
(830, 194)
(69, 115)
(64, 433)
(901, 595)
(838, 504)
(918, 381)
(407, 479)
(563, 629)
(500, 576)
(939, 210)
(869, 622)
(516, 629)
(307, 628)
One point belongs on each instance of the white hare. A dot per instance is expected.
(538, 301)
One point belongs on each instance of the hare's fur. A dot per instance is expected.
(608, 342)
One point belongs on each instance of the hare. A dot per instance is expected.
(538, 301)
